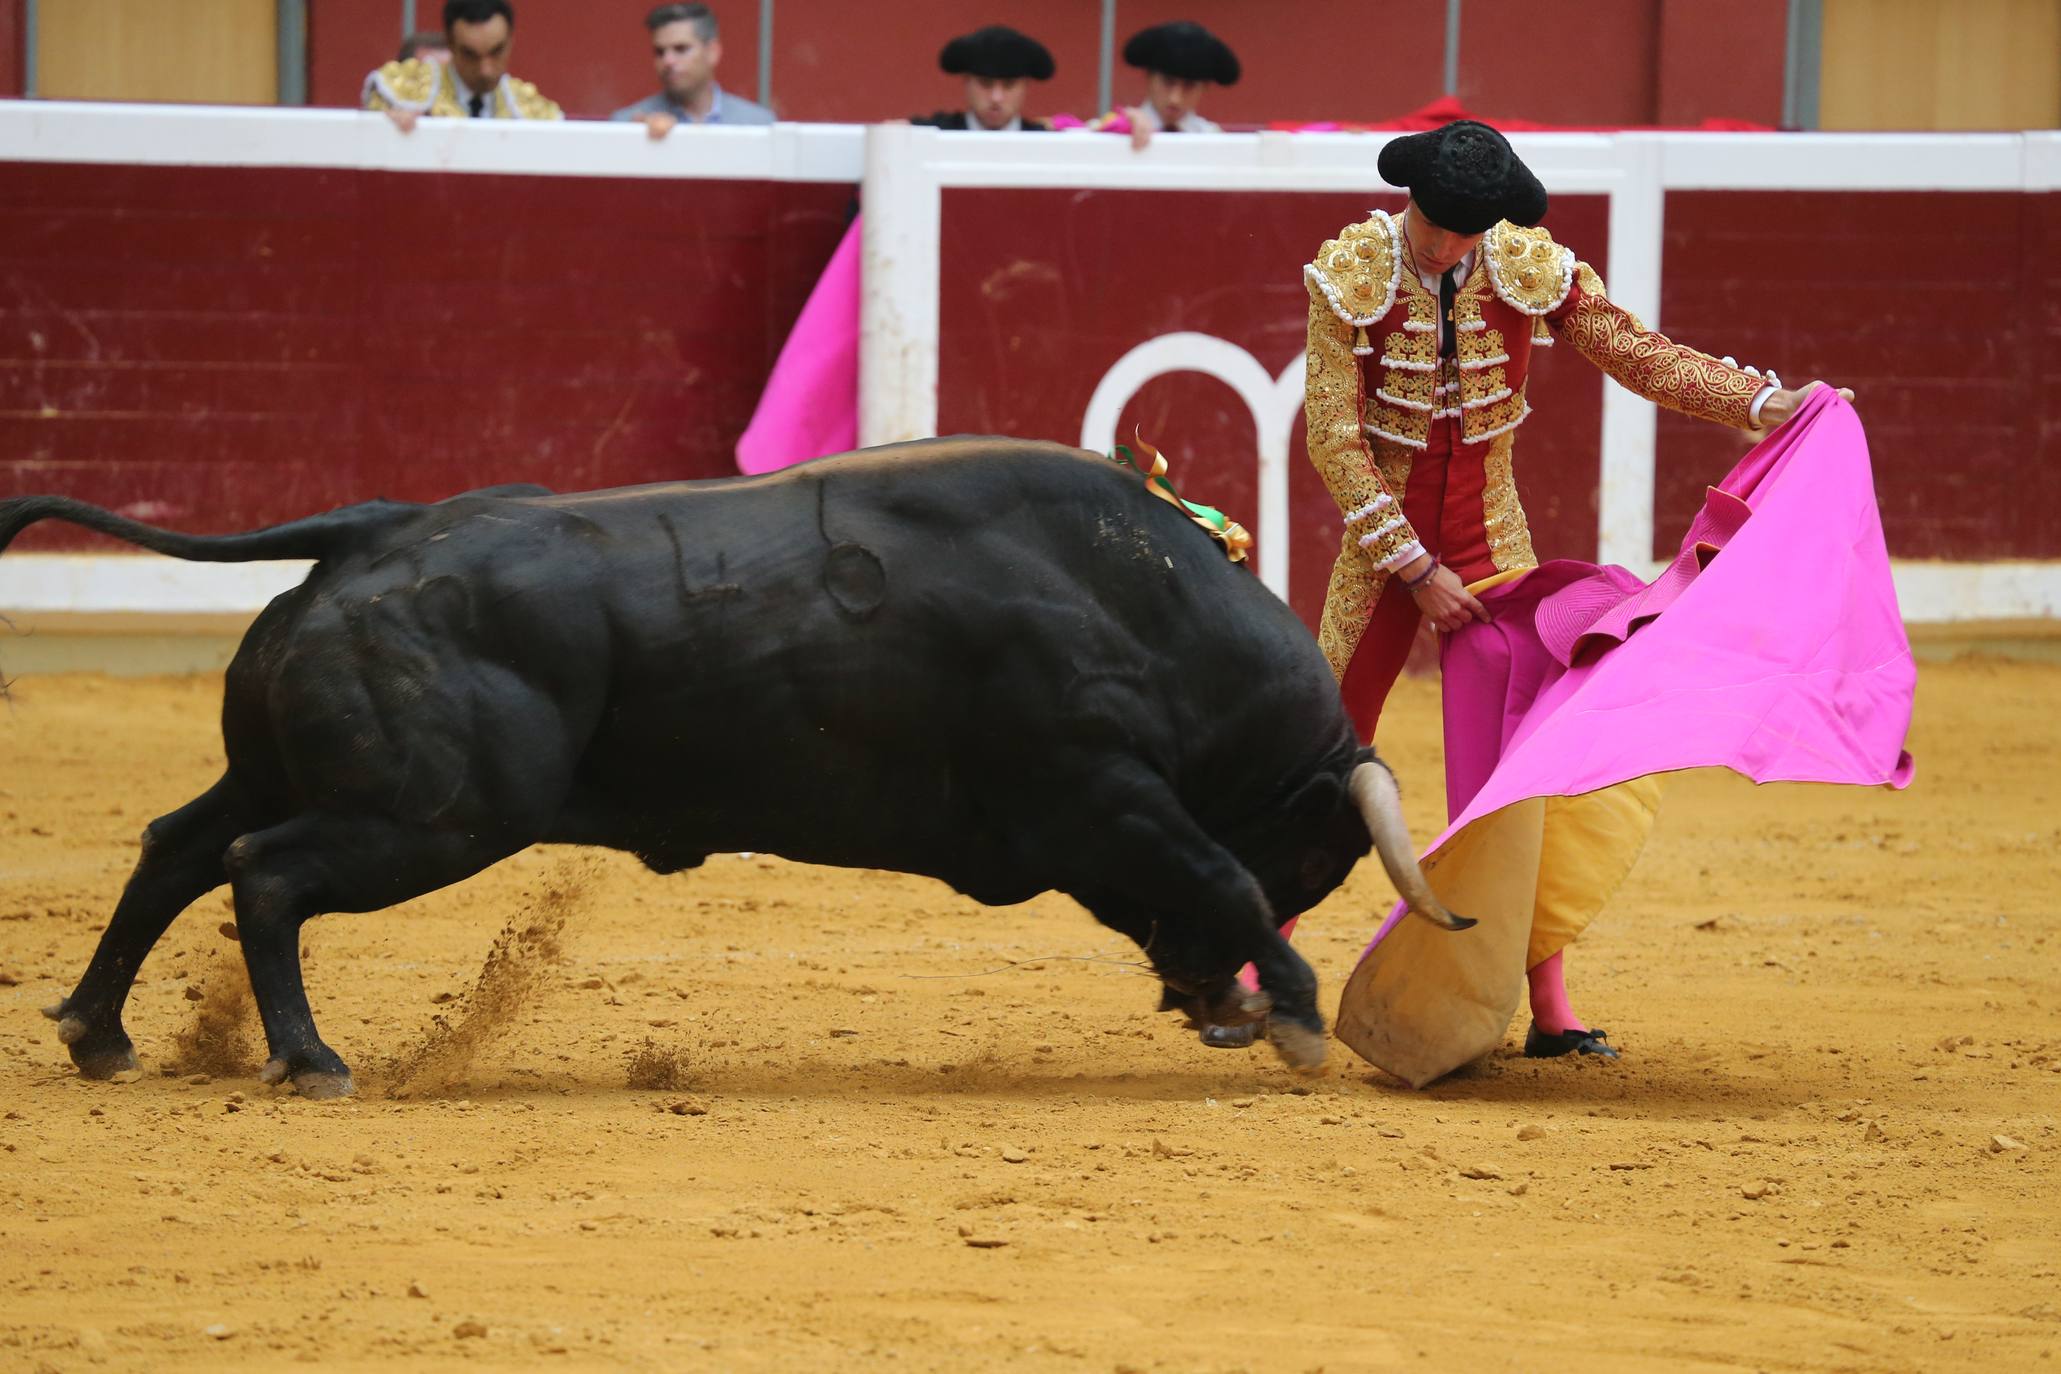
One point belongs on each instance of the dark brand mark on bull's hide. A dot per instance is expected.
(714, 591)
(855, 578)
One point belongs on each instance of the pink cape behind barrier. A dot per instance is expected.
(1771, 646)
(810, 407)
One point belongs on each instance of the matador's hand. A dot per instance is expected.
(404, 120)
(1784, 403)
(1446, 602)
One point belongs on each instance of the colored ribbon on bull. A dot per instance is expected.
(1233, 536)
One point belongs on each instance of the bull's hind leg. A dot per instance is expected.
(314, 864)
(1153, 857)
(180, 863)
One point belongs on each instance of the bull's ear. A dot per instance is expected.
(1316, 801)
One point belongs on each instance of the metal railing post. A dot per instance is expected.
(765, 96)
(1452, 47)
(1802, 62)
(1105, 67)
(28, 51)
(293, 52)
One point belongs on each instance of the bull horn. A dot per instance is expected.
(1381, 807)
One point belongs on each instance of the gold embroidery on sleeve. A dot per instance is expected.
(1654, 366)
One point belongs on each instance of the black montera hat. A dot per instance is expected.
(1185, 50)
(1465, 176)
(998, 53)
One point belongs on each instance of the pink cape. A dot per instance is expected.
(810, 407)
(1771, 646)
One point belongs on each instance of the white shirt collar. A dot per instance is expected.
(1463, 269)
(1191, 122)
(465, 92)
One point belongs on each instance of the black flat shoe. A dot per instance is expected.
(1540, 1044)
(1233, 1037)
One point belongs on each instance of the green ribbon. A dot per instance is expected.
(1218, 525)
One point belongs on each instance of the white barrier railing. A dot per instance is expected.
(237, 136)
(904, 172)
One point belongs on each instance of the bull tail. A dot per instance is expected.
(317, 537)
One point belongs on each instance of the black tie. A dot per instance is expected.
(479, 105)
(1448, 327)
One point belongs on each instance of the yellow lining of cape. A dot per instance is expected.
(1588, 848)
(1495, 580)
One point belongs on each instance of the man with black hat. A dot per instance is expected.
(997, 63)
(1181, 61)
(1421, 328)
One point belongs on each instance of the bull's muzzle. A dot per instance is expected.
(1381, 807)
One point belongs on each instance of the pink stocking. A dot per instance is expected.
(1250, 975)
(1549, 1005)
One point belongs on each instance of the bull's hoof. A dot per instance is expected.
(105, 1058)
(1300, 1048)
(1232, 1037)
(99, 1054)
(321, 1085)
(311, 1078)
(1240, 1006)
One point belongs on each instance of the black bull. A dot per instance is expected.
(1002, 664)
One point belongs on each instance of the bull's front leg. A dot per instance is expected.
(1146, 854)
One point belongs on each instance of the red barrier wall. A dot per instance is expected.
(218, 348)
(1720, 61)
(1585, 62)
(1939, 309)
(13, 20)
(1042, 291)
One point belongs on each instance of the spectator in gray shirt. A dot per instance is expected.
(685, 47)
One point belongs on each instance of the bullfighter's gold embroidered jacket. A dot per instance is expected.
(431, 88)
(1375, 386)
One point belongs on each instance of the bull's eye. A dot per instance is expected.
(1316, 870)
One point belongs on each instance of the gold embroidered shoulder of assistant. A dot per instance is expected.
(1529, 271)
(1358, 270)
(530, 103)
(409, 85)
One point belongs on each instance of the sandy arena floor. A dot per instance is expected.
(889, 1144)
